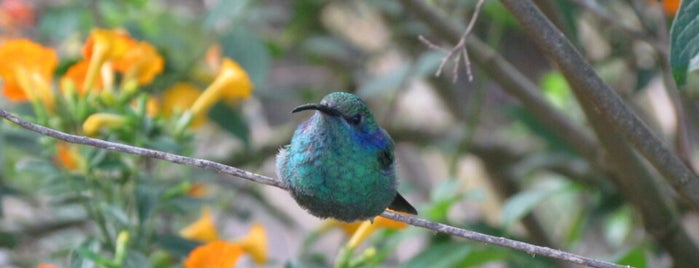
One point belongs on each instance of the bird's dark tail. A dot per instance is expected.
(401, 205)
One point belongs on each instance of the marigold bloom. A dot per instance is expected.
(103, 45)
(77, 74)
(216, 254)
(26, 70)
(141, 62)
(671, 6)
(231, 84)
(255, 243)
(68, 157)
(203, 230)
(97, 121)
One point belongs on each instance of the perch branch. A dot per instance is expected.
(236, 172)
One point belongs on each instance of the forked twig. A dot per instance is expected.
(459, 51)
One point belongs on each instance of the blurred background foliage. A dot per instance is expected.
(469, 154)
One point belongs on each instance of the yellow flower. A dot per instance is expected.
(216, 254)
(255, 243)
(26, 70)
(231, 84)
(152, 107)
(203, 229)
(97, 121)
(141, 62)
(101, 46)
(179, 98)
(362, 230)
(68, 157)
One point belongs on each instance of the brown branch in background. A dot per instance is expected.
(683, 144)
(603, 108)
(243, 174)
(459, 50)
(509, 78)
(593, 7)
(663, 226)
(591, 91)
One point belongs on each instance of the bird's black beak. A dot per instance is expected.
(319, 107)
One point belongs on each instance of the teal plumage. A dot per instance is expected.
(340, 163)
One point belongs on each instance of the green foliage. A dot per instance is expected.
(684, 44)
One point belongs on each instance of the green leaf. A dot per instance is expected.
(35, 166)
(684, 42)
(618, 226)
(443, 197)
(229, 12)
(427, 63)
(135, 259)
(246, 48)
(444, 255)
(524, 202)
(176, 245)
(635, 257)
(231, 120)
(115, 213)
(146, 201)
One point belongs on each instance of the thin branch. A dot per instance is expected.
(236, 172)
(459, 51)
(499, 241)
(591, 91)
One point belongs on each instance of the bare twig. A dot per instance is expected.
(459, 51)
(218, 167)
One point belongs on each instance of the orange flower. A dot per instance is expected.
(68, 157)
(26, 70)
(255, 243)
(77, 74)
(141, 62)
(203, 230)
(44, 265)
(213, 57)
(102, 46)
(216, 254)
(671, 6)
(197, 190)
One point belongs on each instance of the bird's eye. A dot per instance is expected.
(355, 119)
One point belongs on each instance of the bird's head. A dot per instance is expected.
(346, 109)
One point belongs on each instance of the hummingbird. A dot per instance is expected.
(340, 163)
